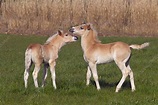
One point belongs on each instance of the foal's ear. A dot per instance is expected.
(59, 32)
(84, 22)
(89, 26)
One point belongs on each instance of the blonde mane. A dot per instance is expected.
(95, 35)
(50, 38)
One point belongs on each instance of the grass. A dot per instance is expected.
(71, 71)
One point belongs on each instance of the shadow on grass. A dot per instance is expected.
(104, 84)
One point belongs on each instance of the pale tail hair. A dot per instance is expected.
(138, 47)
(28, 58)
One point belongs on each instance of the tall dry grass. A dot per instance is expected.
(110, 17)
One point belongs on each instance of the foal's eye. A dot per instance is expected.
(66, 35)
(81, 28)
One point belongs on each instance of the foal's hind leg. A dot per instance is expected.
(52, 70)
(26, 75)
(131, 78)
(35, 74)
(45, 71)
(125, 73)
(88, 75)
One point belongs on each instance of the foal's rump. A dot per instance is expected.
(33, 53)
(41, 53)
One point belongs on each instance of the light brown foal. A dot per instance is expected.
(96, 53)
(47, 54)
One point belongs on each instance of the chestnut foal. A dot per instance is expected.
(47, 54)
(96, 53)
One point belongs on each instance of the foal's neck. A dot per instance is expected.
(88, 39)
(57, 42)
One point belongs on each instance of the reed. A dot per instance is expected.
(110, 17)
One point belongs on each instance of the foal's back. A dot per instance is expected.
(104, 53)
(42, 53)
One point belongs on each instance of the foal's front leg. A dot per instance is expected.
(88, 75)
(93, 67)
(52, 70)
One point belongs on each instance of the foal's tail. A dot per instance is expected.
(138, 47)
(28, 58)
(28, 63)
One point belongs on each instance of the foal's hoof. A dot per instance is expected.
(133, 90)
(98, 89)
(117, 90)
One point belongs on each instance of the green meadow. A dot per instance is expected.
(71, 75)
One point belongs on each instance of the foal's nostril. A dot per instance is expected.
(75, 38)
(71, 30)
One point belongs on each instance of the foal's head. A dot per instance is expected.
(81, 29)
(84, 28)
(67, 37)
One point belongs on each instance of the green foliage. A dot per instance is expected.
(70, 76)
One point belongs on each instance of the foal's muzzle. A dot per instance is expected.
(75, 38)
(71, 30)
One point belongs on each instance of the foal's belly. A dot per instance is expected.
(103, 59)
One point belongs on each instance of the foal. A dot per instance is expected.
(97, 53)
(47, 54)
